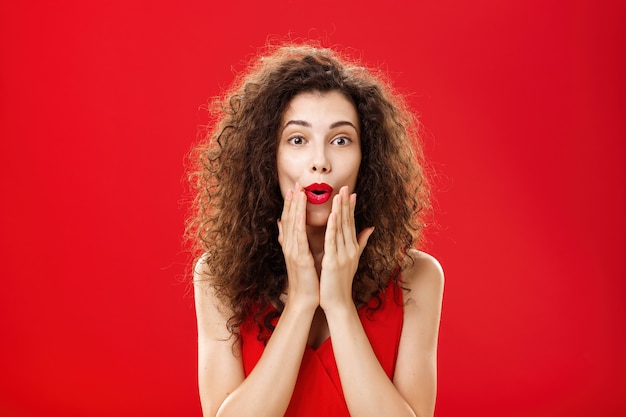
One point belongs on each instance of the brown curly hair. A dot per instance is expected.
(237, 201)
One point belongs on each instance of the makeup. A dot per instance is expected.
(318, 193)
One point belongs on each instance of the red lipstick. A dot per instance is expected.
(318, 193)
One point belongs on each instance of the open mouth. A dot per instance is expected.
(318, 193)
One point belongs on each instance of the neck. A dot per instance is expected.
(315, 236)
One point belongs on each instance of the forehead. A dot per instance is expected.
(322, 107)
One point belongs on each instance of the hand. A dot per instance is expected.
(301, 274)
(342, 251)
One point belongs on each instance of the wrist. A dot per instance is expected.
(302, 304)
(339, 308)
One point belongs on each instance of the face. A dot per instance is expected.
(319, 148)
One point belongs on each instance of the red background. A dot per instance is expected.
(524, 107)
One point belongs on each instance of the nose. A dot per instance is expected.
(320, 167)
(320, 162)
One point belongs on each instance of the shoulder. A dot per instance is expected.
(423, 273)
(422, 281)
(210, 307)
(416, 367)
(220, 366)
(202, 280)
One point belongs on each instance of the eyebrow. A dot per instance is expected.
(332, 126)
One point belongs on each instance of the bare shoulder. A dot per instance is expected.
(416, 367)
(211, 312)
(423, 275)
(202, 283)
(202, 280)
(423, 282)
(220, 366)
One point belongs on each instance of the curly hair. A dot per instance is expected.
(237, 201)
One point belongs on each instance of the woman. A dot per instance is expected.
(310, 296)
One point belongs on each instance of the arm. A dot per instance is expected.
(220, 369)
(367, 389)
(416, 369)
(224, 390)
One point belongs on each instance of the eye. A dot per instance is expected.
(296, 140)
(341, 141)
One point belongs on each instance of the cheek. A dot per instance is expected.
(356, 166)
(286, 173)
(283, 182)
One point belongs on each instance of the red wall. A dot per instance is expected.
(524, 107)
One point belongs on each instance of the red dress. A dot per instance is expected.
(318, 389)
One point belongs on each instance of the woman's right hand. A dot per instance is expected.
(225, 389)
(303, 282)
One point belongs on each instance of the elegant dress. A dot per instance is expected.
(318, 389)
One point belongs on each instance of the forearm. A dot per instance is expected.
(367, 389)
(268, 389)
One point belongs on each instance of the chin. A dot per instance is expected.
(317, 218)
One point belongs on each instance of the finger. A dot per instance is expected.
(353, 235)
(352, 206)
(284, 222)
(293, 211)
(347, 218)
(299, 208)
(300, 224)
(337, 212)
(296, 210)
(330, 238)
(363, 238)
(287, 205)
(342, 221)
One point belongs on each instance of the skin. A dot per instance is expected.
(320, 142)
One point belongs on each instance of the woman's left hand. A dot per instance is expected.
(342, 250)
